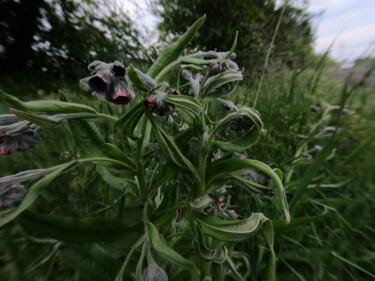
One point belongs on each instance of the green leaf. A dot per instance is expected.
(192, 58)
(170, 150)
(248, 139)
(87, 138)
(76, 230)
(48, 121)
(172, 52)
(230, 230)
(219, 168)
(165, 251)
(186, 103)
(268, 233)
(141, 80)
(312, 171)
(46, 106)
(35, 190)
(127, 123)
(210, 89)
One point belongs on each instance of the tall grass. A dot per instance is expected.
(335, 187)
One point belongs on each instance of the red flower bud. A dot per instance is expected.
(220, 200)
(149, 102)
(5, 152)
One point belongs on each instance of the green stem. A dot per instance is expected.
(141, 144)
(119, 276)
(206, 269)
(102, 159)
(106, 116)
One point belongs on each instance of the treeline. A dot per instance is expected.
(59, 38)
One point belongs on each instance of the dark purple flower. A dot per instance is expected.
(121, 97)
(173, 92)
(150, 102)
(99, 83)
(118, 70)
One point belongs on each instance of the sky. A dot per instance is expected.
(350, 24)
(347, 24)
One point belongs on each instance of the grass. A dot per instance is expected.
(336, 187)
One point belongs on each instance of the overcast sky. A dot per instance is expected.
(350, 24)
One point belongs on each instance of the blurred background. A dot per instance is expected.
(323, 50)
(56, 40)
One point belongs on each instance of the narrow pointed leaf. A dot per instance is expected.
(224, 167)
(140, 80)
(127, 123)
(230, 230)
(185, 103)
(167, 252)
(35, 190)
(249, 137)
(172, 52)
(46, 106)
(75, 230)
(170, 150)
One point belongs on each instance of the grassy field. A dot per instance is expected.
(328, 174)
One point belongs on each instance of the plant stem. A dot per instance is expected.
(106, 116)
(119, 276)
(141, 143)
(103, 159)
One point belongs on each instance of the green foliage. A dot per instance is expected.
(154, 189)
(255, 20)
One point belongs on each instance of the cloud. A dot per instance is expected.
(361, 35)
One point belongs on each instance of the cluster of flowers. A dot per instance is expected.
(110, 80)
(106, 80)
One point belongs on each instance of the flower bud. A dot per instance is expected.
(230, 106)
(173, 92)
(233, 214)
(239, 156)
(149, 102)
(99, 83)
(216, 68)
(5, 152)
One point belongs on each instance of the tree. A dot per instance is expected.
(254, 19)
(61, 37)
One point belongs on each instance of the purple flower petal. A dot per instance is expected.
(118, 71)
(99, 83)
(121, 97)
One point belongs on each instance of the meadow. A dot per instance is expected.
(318, 130)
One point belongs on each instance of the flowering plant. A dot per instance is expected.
(178, 152)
